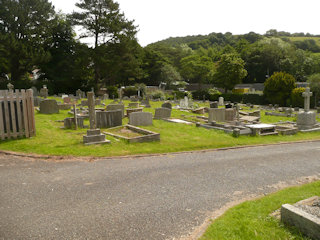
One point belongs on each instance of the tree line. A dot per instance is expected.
(33, 36)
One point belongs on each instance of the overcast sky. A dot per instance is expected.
(160, 19)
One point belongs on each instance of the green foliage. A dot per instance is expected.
(278, 88)
(24, 26)
(197, 69)
(230, 71)
(112, 92)
(297, 98)
(113, 36)
(169, 75)
(158, 94)
(252, 98)
(130, 91)
(314, 82)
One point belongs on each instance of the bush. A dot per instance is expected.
(297, 98)
(210, 94)
(278, 88)
(254, 99)
(232, 97)
(158, 94)
(112, 91)
(130, 91)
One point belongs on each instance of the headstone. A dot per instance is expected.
(49, 106)
(112, 107)
(84, 103)
(66, 100)
(214, 104)
(306, 119)
(97, 102)
(36, 101)
(166, 105)
(35, 92)
(65, 106)
(107, 119)
(132, 110)
(44, 92)
(230, 114)
(140, 119)
(105, 96)
(69, 123)
(161, 113)
(221, 101)
(145, 103)
(79, 94)
(184, 103)
(94, 135)
(217, 114)
(133, 105)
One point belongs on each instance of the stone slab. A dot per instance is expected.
(140, 119)
(49, 106)
(161, 113)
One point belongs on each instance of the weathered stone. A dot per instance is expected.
(107, 119)
(306, 120)
(230, 114)
(221, 101)
(146, 103)
(214, 104)
(133, 105)
(132, 110)
(36, 101)
(69, 123)
(199, 110)
(161, 113)
(166, 105)
(64, 106)
(44, 92)
(49, 106)
(217, 114)
(305, 222)
(112, 107)
(140, 119)
(66, 100)
(94, 136)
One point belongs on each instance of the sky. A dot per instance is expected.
(160, 19)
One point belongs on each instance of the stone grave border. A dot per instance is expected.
(148, 136)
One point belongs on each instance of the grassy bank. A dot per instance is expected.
(251, 220)
(53, 140)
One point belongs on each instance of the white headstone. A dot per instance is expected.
(221, 101)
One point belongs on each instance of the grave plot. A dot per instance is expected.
(133, 134)
(304, 215)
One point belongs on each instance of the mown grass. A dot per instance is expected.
(53, 140)
(252, 220)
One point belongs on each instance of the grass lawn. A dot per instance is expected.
(251, 220)
(53, 140)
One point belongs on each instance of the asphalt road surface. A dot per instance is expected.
(152, 197)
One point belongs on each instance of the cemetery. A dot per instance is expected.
(75, 121)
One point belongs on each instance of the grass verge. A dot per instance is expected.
(251, 220)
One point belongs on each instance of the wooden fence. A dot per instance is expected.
(16, 114)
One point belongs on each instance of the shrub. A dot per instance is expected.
(278, 88)
(130, 91)
(257, 99)
(232, 97)
(112, 91)
(158, 94)
(297, 98)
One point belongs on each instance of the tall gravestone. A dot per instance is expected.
(49, 106)
(94, 135)
(44, 92)
(307, 118)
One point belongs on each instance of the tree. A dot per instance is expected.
(23, 28)
(278, 88)
(230, 71)
(68, 67)
(314, 83)
(102, 20)
(197, 69)
(170, 75)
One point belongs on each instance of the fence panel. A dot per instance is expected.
(16, 114)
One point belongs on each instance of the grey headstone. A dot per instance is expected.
(167, 105)
(140, 119)
(49, 106)
(214, 104)
(161, 113)
(106, 119)
(217, 114)
(112, 107)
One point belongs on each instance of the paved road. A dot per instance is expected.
(159, 197)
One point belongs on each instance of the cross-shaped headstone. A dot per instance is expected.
(307, 94)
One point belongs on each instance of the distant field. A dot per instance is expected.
(317, 39)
